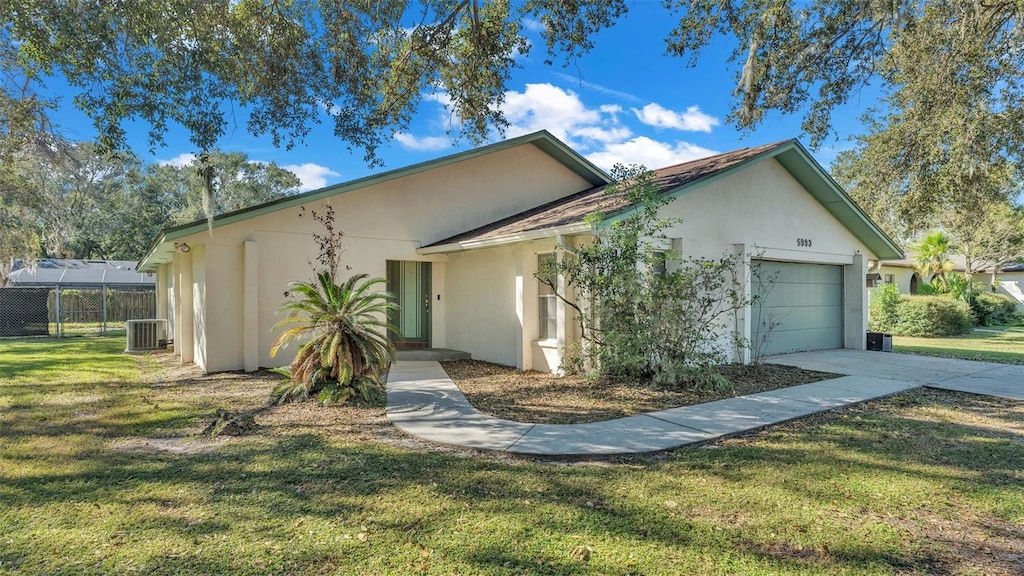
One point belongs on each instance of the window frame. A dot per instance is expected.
(547, 300)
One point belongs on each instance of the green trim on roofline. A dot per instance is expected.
(543, 140)
(805, 170)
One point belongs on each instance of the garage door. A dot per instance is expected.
(805, 303)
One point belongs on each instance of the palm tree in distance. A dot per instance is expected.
(931, 257)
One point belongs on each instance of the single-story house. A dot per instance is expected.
(1009, 279)
(460, 238)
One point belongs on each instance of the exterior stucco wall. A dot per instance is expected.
(221, 286)
(763, 207)
(1012, 284)
(387, 221)
(493, 310)
(481, 314)
(199, 335)
(763, 211)
(901, 277)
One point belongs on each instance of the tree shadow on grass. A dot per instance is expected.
(723, 498)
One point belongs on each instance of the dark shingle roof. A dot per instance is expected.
(574, 208)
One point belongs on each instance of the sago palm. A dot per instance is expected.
(348, 348)
(931, 256)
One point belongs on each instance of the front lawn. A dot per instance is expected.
(1007, 347)
(101, 473)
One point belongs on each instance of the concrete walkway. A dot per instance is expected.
(424, 402)
(988, 378)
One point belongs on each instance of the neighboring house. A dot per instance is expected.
(460, 238)
(1009, 280)
(907, 279)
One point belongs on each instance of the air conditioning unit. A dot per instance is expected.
(146, 335)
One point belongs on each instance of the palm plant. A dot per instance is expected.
(347, 351)
(931, 256)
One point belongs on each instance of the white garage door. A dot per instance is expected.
(805, 304)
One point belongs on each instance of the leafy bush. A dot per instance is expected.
(637, 319)
(960, 287)
(932, 316)
(884, 311)
(992, 309)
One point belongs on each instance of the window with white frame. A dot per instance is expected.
(547, 317)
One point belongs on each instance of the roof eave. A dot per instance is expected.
(819, 183)
(840, 205)
(542, 139)
(564, 230)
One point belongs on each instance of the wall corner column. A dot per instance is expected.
(855, 305)
(184, 339)
(250, 307)
(743, 315)
(561, 315)
(162, 286)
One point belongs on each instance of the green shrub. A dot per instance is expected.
(993, 309)
(884, 310)
(933, 316)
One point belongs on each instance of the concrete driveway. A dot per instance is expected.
(1003, 380)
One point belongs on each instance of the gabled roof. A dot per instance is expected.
(959, 264)
(161, 249)
(574, 208)
(567, 214)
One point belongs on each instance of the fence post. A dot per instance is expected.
(103, 294)
(56, 307)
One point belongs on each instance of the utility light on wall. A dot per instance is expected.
(182, 247)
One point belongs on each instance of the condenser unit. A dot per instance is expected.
(146, 335)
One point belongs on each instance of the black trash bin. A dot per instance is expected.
(879, 342)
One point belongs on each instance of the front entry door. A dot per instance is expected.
(410, 283)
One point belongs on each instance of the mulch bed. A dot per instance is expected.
(545, 398)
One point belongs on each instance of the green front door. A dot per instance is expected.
(410, 283)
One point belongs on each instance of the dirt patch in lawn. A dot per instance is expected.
(545, 398)
(174, 384)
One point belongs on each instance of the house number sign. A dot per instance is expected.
(803, 242)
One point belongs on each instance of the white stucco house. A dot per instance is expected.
(1009, 279)
(460, 238)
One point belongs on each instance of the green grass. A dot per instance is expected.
(911, 486)
(1005, 346)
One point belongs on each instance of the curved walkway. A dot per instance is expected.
(423, 401)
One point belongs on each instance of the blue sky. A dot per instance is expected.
(624, 102)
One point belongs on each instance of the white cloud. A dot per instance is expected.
(692, 120)
(180, 160)
(546, 107)
(648, 152)
(311, 175)
(599, 132)
(605, 135)
(423, 143)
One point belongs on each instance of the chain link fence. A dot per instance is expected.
(41, 311)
